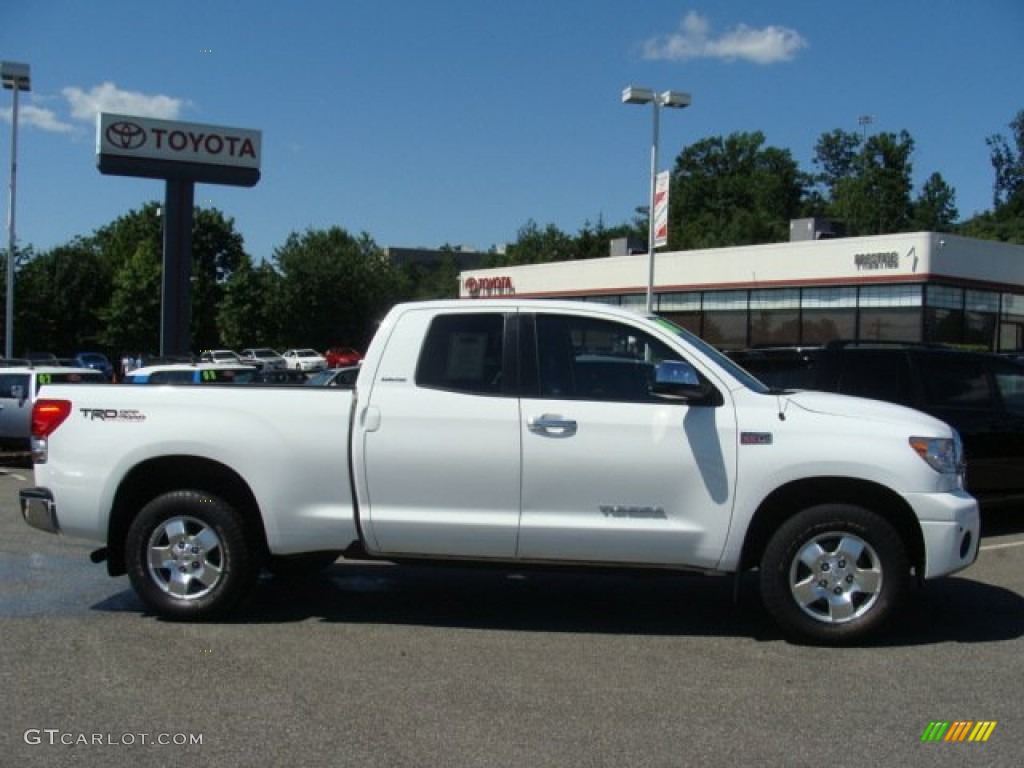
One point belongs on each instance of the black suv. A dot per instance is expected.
(980, 394)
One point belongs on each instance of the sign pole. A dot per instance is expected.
(176, 288)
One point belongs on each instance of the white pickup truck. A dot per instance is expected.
(512, 431)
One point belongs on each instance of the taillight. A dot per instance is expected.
(47, 415)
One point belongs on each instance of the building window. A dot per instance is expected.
(725, 319)
(944, 296)
(1011, 323)
(679, 302)
(943, 326)
(981, 312)
(775, 317)
(890, 296)
(828, 314)
(819, 326)
(634, 301)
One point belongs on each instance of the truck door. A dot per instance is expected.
(438, 439)
(612, 473)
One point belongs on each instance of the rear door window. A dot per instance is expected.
(955, 381)
(464, 353)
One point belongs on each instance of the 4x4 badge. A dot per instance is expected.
(755, 438)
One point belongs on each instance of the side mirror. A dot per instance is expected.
(18, 393)
(677, 379)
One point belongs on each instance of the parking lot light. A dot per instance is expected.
(676, 100)
(15, 76)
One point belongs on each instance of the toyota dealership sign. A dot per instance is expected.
(127, 145)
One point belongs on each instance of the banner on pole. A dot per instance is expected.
(661, 209)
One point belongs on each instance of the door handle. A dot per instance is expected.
(551, 425)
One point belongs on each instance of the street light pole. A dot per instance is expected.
(677, 100)
(15, 78)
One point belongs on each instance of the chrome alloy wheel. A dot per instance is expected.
(835, 577)
(185, 557)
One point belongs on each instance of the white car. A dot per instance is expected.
(220, 356)
(305, 360)
(266, 357)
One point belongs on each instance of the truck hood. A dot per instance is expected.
(862, 409)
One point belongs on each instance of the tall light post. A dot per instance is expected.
(15, 78)
(677, 100)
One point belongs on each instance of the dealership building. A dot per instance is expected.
(914, 287)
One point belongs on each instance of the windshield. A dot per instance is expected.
(740, 374)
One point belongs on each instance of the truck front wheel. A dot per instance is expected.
(834, 573)
(188, 556)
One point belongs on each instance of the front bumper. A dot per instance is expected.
(38, 509)
(951, 529)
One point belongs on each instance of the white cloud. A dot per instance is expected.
(46, 119)
(694, 41)
(85, 105)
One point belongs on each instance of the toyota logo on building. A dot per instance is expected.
(126, 135)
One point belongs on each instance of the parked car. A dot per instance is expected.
(19, 386)
(41, 358)
(343, 378)
(95, 360)
(265, 357)
(192, 373)
(342, 357)
(305, 359)
(220, 356)
(979, 394)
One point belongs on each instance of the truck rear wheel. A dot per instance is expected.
(834, 574)
(188, 556)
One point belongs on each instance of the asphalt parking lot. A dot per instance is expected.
(380, 665)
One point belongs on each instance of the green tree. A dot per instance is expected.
(835, 153)
(866, 185)
(733, 190)
(58, 298)
(137, 237)
(132, 316)
(217, 251)
(1008, 163)
(534, 245)
(935, 208)
(334, 288)
(248, 314)
(1006, 221)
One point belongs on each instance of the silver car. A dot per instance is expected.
(19, 387)
(265, 357)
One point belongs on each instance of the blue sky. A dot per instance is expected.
(458, 121)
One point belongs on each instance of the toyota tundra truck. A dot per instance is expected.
(517, 432)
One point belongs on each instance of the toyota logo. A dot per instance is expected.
(472, 286)
(126, 135)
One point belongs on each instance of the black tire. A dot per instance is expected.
(302, 567)
(189, 556)
(834, 574)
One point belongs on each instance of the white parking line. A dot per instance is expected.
(15, 475)
(988, 547)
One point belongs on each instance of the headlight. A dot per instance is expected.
(943, 454)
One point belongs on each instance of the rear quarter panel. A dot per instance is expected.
(290, 445)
